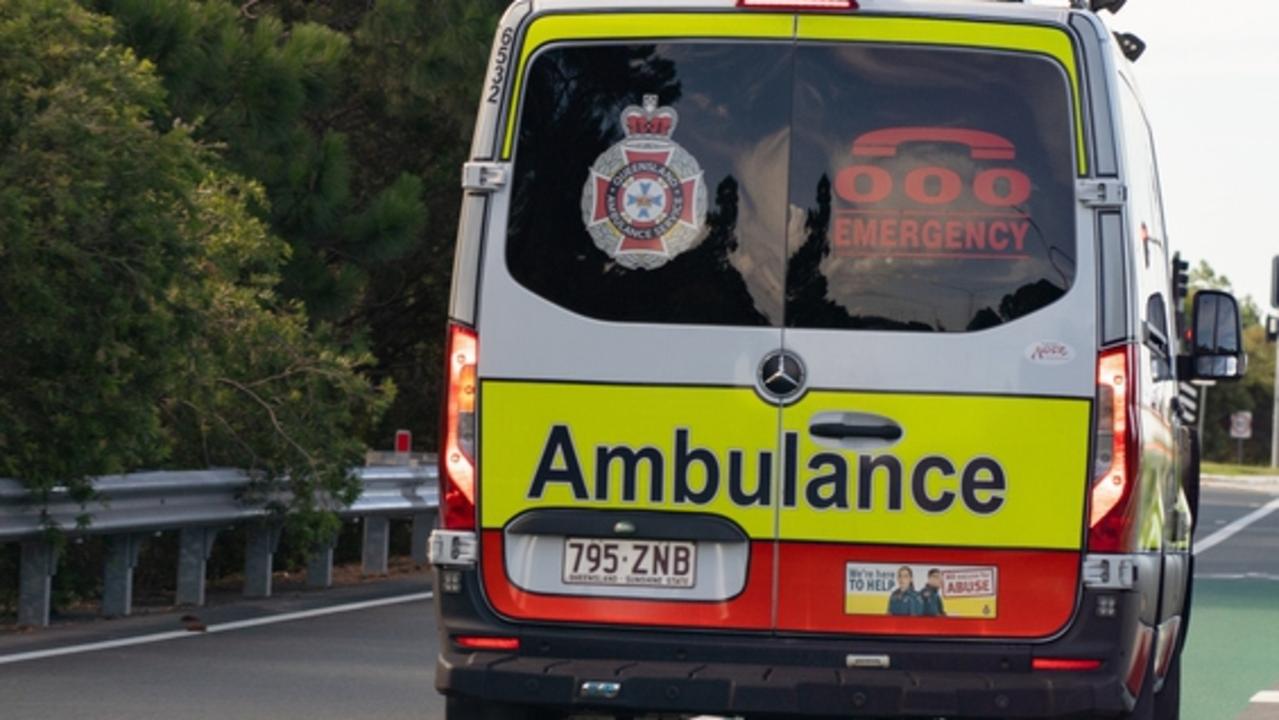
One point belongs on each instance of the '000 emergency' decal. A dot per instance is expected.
(969, 471)
(895, 206)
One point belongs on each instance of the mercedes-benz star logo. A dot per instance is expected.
(781, 374)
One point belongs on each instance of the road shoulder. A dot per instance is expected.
(220, 612)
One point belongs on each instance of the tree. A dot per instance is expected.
(355, 117)
(138, 301)
(89, 251)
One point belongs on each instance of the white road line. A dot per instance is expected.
(1233, 528)
(221, 627)
(1266, 696)
(1268, 577)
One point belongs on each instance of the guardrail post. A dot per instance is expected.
(117, 574)
(319, 567)
(195, 545)
(377, 544)
(422, 523)
(264, 538)
(35, 582)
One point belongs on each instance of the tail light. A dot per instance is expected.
(457, 444)
(1113, 510)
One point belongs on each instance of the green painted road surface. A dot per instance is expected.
(1233, 648)
(1232, 652)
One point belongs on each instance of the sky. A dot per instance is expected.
(1210, 83)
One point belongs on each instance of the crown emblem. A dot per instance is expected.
(649, 120)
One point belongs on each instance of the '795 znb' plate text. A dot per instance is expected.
(652, 563)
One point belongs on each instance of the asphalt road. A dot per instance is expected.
(1232, 652)
(368, 651)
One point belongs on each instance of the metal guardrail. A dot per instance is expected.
(198, 504)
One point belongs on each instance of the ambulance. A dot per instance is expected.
(817, 358)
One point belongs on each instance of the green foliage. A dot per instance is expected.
(417, 73)
(262, 388)
(138, 286)
(226, 230)
(261, 90)
(91, 252)
(354, 117)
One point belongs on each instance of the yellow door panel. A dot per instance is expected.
(977, 471)
(686, 449)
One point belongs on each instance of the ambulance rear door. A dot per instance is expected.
(940, 298)
(632, 283)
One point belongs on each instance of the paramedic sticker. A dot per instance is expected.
(910, 590)
(645, 200)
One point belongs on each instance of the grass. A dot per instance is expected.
(1212, 468)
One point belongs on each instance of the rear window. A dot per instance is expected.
(839, 186)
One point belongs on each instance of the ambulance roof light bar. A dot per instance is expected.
(798, 4)
(1095, 5)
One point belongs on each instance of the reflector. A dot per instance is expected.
(484, 642)
(1065, 664)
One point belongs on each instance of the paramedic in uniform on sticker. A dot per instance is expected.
(930, 595)
(817, 359)
(905, 600)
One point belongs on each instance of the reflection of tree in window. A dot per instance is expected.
(808, 297)
(807, 287)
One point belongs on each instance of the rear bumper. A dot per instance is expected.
(765, 674)
(752, 690)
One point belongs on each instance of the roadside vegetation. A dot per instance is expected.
(226, 234)
(226, 231)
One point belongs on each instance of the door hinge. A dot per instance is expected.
(1110, 572)
(1101, 193)
(484, 176)
(457, 548)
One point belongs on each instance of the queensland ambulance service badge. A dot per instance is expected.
(645, 201)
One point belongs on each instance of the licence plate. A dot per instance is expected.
(653, 563)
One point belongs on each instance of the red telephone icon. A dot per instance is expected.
(933, 185)
(982, 145)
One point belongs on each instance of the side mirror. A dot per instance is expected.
(1216, 339)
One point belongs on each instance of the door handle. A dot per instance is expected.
(840, 431)
(854, 430)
